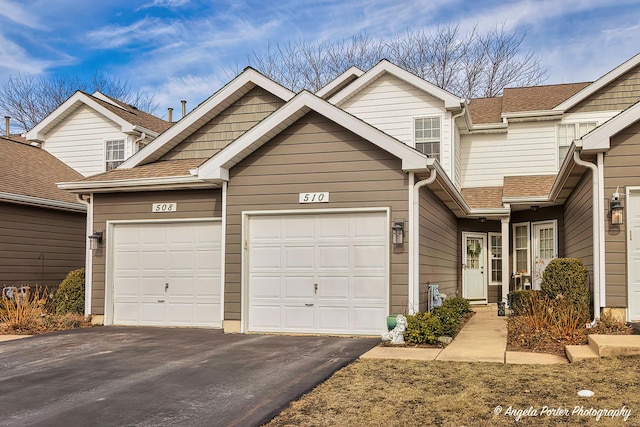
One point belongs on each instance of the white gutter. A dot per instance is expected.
(414, 243)
(88, 261)
(170, 182)
(40, 202)
(595, 175)
(142, 137)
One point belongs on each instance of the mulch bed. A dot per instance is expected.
(463, 322)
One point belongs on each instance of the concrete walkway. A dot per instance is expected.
(483, 339)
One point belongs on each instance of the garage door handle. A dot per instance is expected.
(160, 300)
(309, 305)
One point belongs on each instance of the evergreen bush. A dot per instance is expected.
(70, 294)
(567, 277)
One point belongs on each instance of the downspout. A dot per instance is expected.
(453, 137)
(88, 261)
(223, 245)
(414, 243)
(595, 230)
(142, 137)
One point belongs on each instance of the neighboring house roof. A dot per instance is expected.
(527, 186)
(15, 137)
(599, 84)
(205, 112)
(28, 175)
(483, 197)
(521, 99)
(150, 170)
(129, 118)
(451, 102)
(339, 82)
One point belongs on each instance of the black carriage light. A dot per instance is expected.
(397, 233)
(95, 239)
(616, 210)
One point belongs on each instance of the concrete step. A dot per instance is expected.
(615, 345)
(577, 353)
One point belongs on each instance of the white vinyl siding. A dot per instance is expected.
(390, 104)
(78, 140)
(527, 149)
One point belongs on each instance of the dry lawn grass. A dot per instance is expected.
(413, 393)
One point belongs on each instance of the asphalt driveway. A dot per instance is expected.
(155, 376)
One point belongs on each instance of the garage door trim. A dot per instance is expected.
(244, 273)
(109, 251)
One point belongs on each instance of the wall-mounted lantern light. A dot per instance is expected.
(95, 239)
(397, 233)
(616, 210)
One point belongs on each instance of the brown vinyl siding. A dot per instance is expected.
(313, 155)
(439, 246)
(578, 219)
(617, 95)
(30, 236)
(137, 206)
(620, 170)
(227, 126)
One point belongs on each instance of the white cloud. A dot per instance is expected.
(148, 30)
(19, 14)
(169, 4)
(194, 89)
(14, 59)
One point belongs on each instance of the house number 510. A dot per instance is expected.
(313, 198)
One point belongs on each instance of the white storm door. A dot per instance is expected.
(474, 277)
(633, 254)
(545, 248)
(167, 274)
(318, 273)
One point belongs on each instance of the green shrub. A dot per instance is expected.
(450, 318)
(567, 277)
(459, 304)
(521, 301)
(423, 328)
(70, 294)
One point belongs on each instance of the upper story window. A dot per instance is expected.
(114, 153)
(567, 133)
(426, 135)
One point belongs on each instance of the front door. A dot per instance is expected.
(474, 278)
(545, 248)
(633, 254)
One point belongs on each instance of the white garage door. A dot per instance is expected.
(167, 274)
(321, 273)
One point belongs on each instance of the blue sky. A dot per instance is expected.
(180, 49)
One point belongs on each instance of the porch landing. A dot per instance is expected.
(604, 346)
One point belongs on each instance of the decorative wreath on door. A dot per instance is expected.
(473, 249)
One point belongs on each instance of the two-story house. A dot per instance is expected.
(268, 211)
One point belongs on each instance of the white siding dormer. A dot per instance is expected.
(391, 104)
(79, 140)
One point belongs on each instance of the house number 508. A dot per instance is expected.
(313, 198)
(164, 207)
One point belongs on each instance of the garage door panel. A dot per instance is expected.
(338, 252)
(298, 318)
(148, 256)
(370, 288)
(266, 228)
(299, 257)
(265, 258)
(299, 287)
(370, 256)
(265, 287)
(333, 257)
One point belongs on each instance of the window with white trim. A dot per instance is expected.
(114, 153)
(568, 132)
(426, 135)
(495, 257)
(521, 244)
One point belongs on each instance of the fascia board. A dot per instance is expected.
(41, 202)
(39, 131)
(600, 138)
(450, 101)
(298, 106)
(248, 76)
(173, 182)
(599, 84)
(352, 71)
(525, 200)
(563, 174)
(450, 188)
